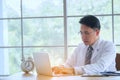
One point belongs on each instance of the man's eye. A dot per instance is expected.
(86, 33)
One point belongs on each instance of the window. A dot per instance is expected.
(50, 26)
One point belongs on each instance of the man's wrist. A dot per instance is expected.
(72, 71)
(79, 70)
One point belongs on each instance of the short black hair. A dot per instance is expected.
(90, 21)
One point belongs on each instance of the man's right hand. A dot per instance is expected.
(62, 70)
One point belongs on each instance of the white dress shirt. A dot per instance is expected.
(103, 58)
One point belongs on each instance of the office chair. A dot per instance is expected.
(118, 61)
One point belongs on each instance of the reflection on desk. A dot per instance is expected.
(22, 76)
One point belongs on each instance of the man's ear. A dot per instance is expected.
(97, 32)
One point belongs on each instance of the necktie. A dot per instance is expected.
(88, 55)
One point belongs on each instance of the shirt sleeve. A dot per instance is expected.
(71, 60)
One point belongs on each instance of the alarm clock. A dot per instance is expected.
(27, 65)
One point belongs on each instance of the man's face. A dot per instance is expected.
(88, 35)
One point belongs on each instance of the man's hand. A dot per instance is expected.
(62, 70)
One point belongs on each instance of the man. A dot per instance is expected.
(93, 55)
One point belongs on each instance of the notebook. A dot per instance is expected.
(111, 73)
(103, 74)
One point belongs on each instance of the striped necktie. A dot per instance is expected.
(88, 55)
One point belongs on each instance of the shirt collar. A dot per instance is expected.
(94, 46)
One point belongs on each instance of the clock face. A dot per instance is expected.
(27, 66)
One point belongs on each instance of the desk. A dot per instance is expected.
(22, 76)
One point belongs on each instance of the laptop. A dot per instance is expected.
(42, 64)
(43, 67)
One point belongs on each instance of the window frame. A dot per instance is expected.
(65, 17)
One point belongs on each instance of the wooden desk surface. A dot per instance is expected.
(22, 76)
